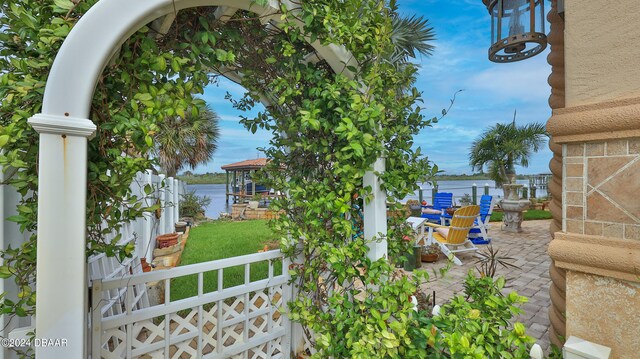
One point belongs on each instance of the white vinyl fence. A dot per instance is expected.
(142, 231)
(167, 192)
(9, 236)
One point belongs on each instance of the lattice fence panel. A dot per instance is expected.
(245, 324)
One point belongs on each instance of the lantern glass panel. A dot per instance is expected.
(517, 29)
(515, 18)
(540, 20)
(494, 24)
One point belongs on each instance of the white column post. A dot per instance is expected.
(61, 280)
(162, 228)
(137, 189)
(148, 219)
(176, 200)
(375, 212)
(169, 198)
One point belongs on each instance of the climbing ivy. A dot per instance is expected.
(328, 127)
(148, 80)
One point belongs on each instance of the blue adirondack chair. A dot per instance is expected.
(441, 201)
(479, 233)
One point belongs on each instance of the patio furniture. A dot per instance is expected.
(454, 238)
(441, 201)
(417, 223)
(479, 233)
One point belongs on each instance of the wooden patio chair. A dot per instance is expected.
(454, 239)
(441, 201)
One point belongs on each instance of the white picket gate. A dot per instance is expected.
(243, 321)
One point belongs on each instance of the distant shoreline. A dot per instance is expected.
(220, 178)
(207, 178)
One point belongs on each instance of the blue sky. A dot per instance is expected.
(491, 92)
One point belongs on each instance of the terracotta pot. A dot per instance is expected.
(181, 226)
(167, 240)
(429, 257)
(146, 267)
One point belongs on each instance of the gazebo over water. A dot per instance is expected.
(242, 185)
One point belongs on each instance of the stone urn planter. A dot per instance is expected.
(513, 207)
(254, 204)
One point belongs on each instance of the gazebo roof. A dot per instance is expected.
(246, 164)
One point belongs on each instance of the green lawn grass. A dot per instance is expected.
(532, 214)
(218, 240)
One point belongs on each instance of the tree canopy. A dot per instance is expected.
(503, 146)
(190, 140)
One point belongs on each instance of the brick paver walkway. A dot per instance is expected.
(529, 249)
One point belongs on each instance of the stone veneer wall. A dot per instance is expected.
(599, 245)
(602, 188)
(596, 253)
(614, 302)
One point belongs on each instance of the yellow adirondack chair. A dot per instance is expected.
(455, 237)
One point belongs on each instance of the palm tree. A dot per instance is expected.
(411, 36)
(503, 146)
(189, 140)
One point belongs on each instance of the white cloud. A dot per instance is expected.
(525, 81)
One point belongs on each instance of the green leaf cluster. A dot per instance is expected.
(148, 80)
(476, 325)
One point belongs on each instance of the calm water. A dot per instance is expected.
(459, 188)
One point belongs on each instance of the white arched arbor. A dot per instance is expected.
(64, 127)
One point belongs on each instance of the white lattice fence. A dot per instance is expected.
(243, 321)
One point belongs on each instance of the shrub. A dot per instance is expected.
(476, 325)
(192, 205)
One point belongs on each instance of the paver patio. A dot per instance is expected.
(529, 249)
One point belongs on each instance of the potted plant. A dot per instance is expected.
(167, 240)
(430, 253)
(254, 202)
(466, 200)
(451, 210)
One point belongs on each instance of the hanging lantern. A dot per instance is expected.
(517, 29)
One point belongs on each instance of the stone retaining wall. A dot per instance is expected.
(242, 211)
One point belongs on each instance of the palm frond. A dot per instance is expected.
(412, 35)
(191, 140)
